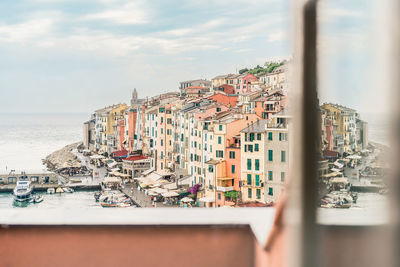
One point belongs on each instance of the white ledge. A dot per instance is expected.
(260, 220)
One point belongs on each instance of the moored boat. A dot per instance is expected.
(51, 190)
(59, 190)
(37, 199)
(68, 190)
(23, 190)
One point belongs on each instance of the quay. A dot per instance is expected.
(44, 187)
(43, 181)
(361, 188)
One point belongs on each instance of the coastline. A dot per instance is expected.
(382, 158)
(61, 157)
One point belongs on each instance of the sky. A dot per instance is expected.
(78, 56)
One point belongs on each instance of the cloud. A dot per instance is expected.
(23, 32)
(277, 36)
(130, 13)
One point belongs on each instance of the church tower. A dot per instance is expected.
(134, 99)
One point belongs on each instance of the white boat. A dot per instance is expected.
(51, 190)
(68, 190)
(23, 190)
(37, 199)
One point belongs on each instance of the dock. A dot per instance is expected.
(366, 188)
(43, 187)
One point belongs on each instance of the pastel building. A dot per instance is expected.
(265, 159)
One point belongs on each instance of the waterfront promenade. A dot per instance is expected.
(140, 198)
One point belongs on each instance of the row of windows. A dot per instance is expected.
(249, 148)
(251, 136)
(250, 179)
(250, 193)
(271, 176)
(256, 164)
(270, 158)
(257, 178)
(258, 192)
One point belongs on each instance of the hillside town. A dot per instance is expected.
(219, 142)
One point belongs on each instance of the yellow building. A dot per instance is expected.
(344, 119)
(253, 152)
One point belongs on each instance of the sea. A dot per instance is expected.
(26, 139)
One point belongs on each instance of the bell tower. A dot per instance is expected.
(134, 99)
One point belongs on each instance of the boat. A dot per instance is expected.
(115, 205)
(342, 205)
(68, 190)
(23, 190)
(97, 196)
(59, 190)
(37, 199)
(51, 190)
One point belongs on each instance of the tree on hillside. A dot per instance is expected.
(243, 70)
(271, 66)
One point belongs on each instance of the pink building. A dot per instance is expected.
(243, 83)
(131, 128)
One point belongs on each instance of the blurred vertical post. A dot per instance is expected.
(391, 46)
(309, 229)
(301, 214)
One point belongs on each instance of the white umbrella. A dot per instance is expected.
(97, 157)
(160, 190)
(170, 194)
(187, 199)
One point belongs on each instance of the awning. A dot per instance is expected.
(187, 199)
(332, 174)
(335, 170)
(170, 186)
(115, 170)
(97, 157)
(330, 154)
(207, 199)
(354, 157)
(339, 165)
(120, 174)
(160, 190)
(112, 164)
(154, 177)
(147, 172)
(170, 194)
(112, 180)
(339, 180)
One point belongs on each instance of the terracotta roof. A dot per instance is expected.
(330, 153)
(120, 153)
(134, 158)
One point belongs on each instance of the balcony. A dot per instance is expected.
(224, 188)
